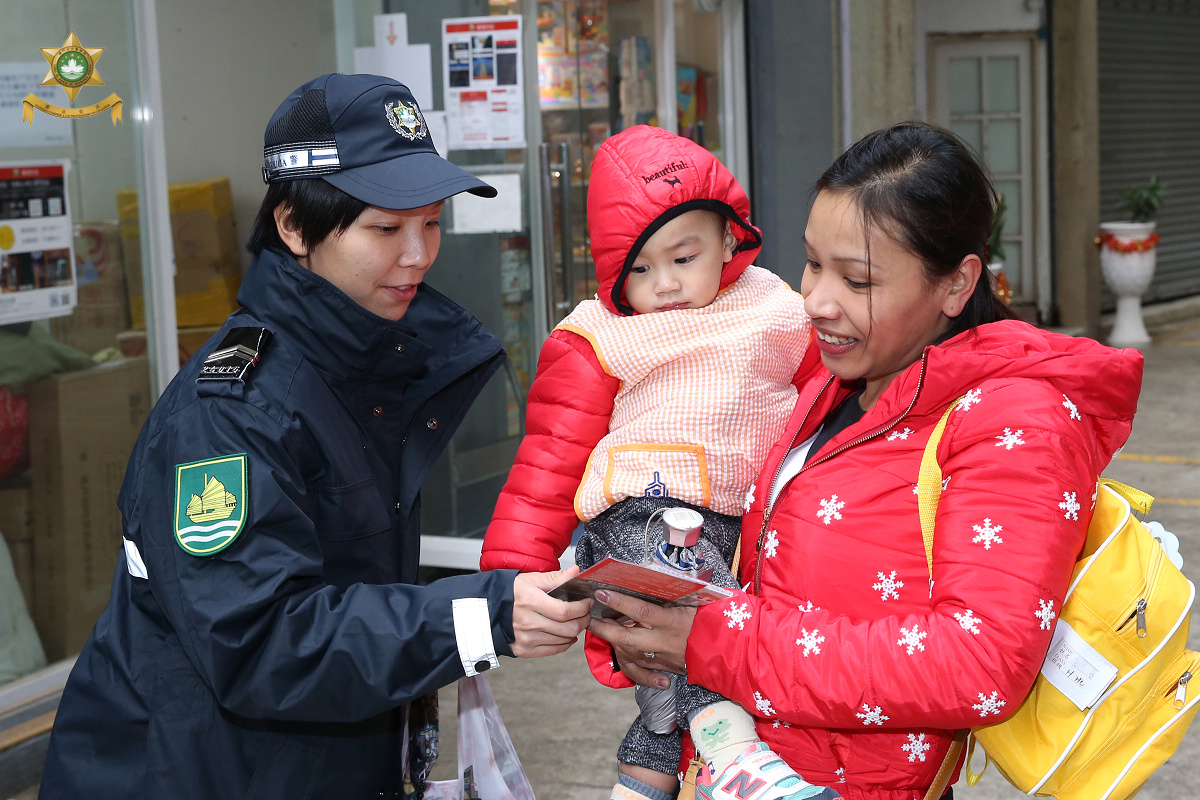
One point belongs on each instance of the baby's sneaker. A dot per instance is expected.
(758, 774)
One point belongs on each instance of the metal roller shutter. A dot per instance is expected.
(1149, 73)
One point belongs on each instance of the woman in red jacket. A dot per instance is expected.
(860, 667)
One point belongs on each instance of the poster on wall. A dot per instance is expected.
(481, 76)
(37, 265)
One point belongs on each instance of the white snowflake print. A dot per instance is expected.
(738, 615)
(917, 747)
(946, 483)
(763, 705)
(831, 508)
(989, 705)
(911, 638)
(873, 716)
(780, 724)
(901, 435)
(969, 621)
(916, 489)
(810, 641)
(987, 534)
(1070, 506)
(969, 399)
(1071, 407)
(888, 585)
(841, 773)
(1045, 613)
(749, 499)
(771, 545)
(809, 607)
(1095, 494)
(1009, 439)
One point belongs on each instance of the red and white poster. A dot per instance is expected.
(37, 266)
(483, 83)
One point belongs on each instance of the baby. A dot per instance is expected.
(665, 391)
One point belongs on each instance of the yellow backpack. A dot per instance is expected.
(1129, 606)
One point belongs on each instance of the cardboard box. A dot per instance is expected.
(132, 344)
(82, 428)
(103, 307)
(208, 268)
(16, 523)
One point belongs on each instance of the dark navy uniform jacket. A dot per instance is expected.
(279, 666)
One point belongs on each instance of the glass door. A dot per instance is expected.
(463, 61)
(604, 66)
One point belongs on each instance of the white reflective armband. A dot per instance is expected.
(473, 632)
(133, 560)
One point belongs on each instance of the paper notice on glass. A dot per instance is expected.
(411, 64)
(436, 120)
(499, 214)
(37, 262)
(482, 82)
(18, 79)
(1076, 668)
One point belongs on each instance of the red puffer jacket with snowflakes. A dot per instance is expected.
(857, 669)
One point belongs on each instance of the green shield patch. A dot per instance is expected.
(211, 498)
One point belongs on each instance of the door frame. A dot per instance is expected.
(1036, 268)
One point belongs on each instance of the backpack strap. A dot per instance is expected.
(942, 779)
(929, 492)
(929, 486)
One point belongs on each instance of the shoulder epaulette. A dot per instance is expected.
(238, 352)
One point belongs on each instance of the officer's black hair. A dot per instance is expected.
(317, 209)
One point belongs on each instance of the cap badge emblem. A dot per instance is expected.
(406, 120)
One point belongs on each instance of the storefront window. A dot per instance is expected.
(71, 404)
(523, 101)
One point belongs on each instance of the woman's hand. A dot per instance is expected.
(657, 640)
(544, 625)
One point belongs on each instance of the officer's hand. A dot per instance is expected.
(544, 625)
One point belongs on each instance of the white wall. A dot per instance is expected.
(226, 66)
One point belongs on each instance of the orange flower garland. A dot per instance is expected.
(1106, 239)
(1003, 289)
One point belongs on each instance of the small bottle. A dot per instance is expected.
(678, 551)
(680, 546)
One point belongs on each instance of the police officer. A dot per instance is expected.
(264, 635)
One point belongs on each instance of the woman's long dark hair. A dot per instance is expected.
(923, 187)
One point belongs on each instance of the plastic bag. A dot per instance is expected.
(488, 766)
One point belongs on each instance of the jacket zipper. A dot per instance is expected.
(762, 534)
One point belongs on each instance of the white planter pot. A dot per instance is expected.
(1128, 275)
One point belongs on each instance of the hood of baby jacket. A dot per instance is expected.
(641, 179)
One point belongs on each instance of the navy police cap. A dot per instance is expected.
(365, 135)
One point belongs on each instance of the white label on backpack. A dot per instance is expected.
(1076, 668)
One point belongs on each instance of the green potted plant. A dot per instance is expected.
(1127, 260)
